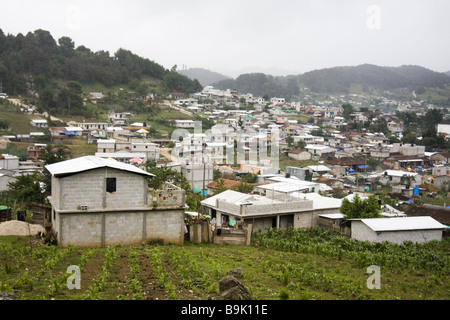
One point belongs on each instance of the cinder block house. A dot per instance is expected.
(99, 202)
(275, 210)
(397, 230)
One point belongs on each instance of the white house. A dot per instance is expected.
(151, 150)
(9, 162)
(98, 126)
(184, 123)
(299, 154)
(38, 123)
(395, 177)
(395, 127)
(444, 127)
(397, 230)
(106, 145)
(319, 149)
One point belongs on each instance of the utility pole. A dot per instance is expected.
(204, 164)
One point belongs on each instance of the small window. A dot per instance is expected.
(110, 184)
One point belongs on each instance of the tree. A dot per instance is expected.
(165, 174)
(347, 112)
(220, 186)
(432, 118)
(49, 155)
(373, 163)
(240, 123)
(217, 174)
(66, 46)
(250, 177)
(245, 187)
(301, 144)
(26, 189)
(360, 208)
(289, 141)
(406, 180)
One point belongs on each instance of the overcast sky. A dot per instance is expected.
(234, 36)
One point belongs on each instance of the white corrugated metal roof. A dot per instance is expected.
(228, 195)
(398, 173)
(319, 202)
(89, 163)
(332, 215)
(319, 168)
(402, 224)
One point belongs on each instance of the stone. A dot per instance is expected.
(237, 273)
(231, 288)
(7, 296)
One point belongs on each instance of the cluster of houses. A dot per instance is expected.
(99, 202)
(103, 199)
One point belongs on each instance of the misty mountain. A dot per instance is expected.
(204, 76)
(260, 84)
(338, 80)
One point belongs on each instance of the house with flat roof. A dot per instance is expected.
(39, 123)
(274, 210)
(184, 123)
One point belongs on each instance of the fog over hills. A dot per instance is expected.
(338, 80)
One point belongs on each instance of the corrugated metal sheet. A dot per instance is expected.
(89, 163)
(402, 224)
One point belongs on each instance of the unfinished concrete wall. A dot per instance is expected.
(362, 232)
(113, 228)
(259, 223)
(89, 189)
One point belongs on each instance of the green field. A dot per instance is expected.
(308, 264)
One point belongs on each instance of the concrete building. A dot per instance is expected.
(98, 126)
(443, 127)
(395, 177)
(98, 202)
(299, 154)
(300, 173)
(125, 150)
(9, 162)
(320, 150)
(6, 176)
(397, 230)
(198, 174)
(106, 145)
(39, 123)
(276, 210)
(184, 123)
(150, 150)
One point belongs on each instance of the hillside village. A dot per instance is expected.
(261, 163)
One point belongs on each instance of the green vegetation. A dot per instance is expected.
(360, 208)
(59, 71)
(365, 79)
(302, 264)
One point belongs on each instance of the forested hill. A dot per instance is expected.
(338, 80)
(35, 60)
(204, 76)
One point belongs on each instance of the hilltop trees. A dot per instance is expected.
(37, 63)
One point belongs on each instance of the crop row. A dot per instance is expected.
(409, 256)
